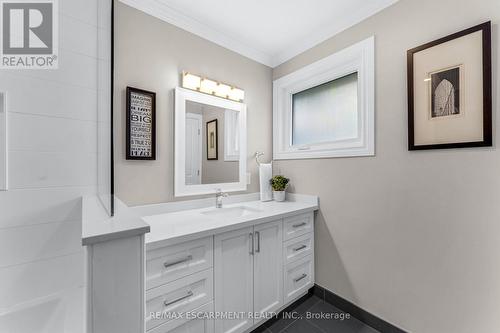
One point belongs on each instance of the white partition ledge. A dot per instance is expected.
(98, 227)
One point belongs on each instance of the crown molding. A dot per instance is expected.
(165, 13)
(170, 15)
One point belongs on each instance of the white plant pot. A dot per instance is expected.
(279, 195)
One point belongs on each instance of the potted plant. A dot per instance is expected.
(279, 185)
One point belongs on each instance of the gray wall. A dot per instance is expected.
(151, 54)
(413, 237)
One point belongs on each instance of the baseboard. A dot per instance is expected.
(357, 312)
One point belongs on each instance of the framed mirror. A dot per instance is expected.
(210, 144)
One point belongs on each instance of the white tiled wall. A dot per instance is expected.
(52, 154)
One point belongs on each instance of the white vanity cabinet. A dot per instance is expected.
(257, 269)
(190, 267)
(248, 274)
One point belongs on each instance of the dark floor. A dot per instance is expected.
(314, 306)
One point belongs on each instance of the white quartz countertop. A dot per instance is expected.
(190, 224)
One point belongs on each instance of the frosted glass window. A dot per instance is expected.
(326, 113)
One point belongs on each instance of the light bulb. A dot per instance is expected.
(237, 94)
(222, 90)
(191, 81)
(208, 86)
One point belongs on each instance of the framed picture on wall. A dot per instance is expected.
(141, 124)
(212, 140)
(449, 91)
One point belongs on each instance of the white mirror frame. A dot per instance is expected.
(180, 188)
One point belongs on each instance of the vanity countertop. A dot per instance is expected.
(190, 224)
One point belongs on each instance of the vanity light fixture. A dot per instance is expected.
(211, 87)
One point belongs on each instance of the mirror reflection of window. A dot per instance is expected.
(212, 135)
(231, 136)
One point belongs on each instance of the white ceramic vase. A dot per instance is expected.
(279, 195)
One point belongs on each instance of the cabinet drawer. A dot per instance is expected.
(189, 325)
(299, 277)
(182, 295)
(298, 248)
(295, 226)
(170, 263)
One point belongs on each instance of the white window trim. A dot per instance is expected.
(358, 58)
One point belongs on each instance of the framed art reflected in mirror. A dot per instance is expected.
(449, 91)
(212, 141)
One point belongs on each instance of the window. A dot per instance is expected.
(327, 108)
(326, 113)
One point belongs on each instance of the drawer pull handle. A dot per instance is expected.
(299, 225)
(300, 248)
(169, 264)
(189, 294)
(303, 276)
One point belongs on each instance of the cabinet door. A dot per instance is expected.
(233, 266)
(268, 267)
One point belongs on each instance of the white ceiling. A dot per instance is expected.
(268, 31)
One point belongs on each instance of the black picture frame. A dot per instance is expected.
(216, 140)
(152, 95)
(487, 90)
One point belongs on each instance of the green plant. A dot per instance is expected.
(279, 183)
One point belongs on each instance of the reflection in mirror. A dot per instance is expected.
(212, 144)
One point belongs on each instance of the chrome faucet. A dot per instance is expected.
(218, 197)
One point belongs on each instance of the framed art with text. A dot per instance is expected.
(141, 124)
(449, 91)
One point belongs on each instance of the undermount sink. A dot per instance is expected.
(230, 212)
